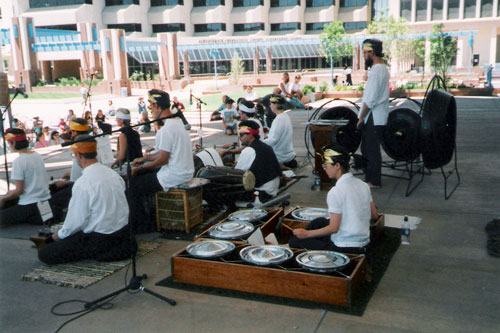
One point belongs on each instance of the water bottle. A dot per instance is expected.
(405, 231)
(317, 184)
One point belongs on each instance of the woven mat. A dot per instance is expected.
(83, 273)
(378, 260)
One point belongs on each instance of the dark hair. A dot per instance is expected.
(229, 100)
(252, 125)
(162, 98)
(19, 145)
(376, 45)
(53, 134)
(89, 156)
(343, 160)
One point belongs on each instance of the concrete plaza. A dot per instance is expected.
(444, 281)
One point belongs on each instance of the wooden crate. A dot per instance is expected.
(331, 288)
(179, 209)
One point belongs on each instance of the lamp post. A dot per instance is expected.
(215, 54)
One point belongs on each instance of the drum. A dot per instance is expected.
(206, 157)
(221, 175)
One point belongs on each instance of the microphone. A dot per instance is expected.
(95, 73)
(180, 114)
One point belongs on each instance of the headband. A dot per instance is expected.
(122, 115)
(74, 126)
(246, 109)
(248, 130)
(368, 47)
(277, 100)
(84, 147)
(328, 155)
(11, 137)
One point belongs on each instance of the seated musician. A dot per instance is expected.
(96, 226)
(129, 140)
(350, 205)
(171, 164)
(246, 110)
(281, 134)
(61, 190)
(260, 159)
(31, 179)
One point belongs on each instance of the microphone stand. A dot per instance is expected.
(2, 132)
(136, 280)
(199, 102)
(87, 98)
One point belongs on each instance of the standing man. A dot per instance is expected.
(348, 77)
(373, 116)
(96, 226)
(171, 164)
(280, 136)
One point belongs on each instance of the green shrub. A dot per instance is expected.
(137, 76)
(307, 89)
(361, 87)
(324, 86)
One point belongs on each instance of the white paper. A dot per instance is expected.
(394, 221)
(104, 151)
(271, 239)
(256, 238)
(45, 211)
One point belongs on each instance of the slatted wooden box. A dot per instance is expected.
(179, 209)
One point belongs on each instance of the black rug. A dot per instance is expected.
(378, 260)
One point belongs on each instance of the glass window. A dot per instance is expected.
(285, 26)
(121, 2)
(213, 27)
(248, 3)
(353, 3)
(349, 26)
(248, 27)
(55, 3)
(128, 27)
(421, 10)
(437, 10)
(405, 9)
(284, 3)
(169, 27)
(486, 8)
(315, 26)
(320, 3)
(469, 8)
(453, 8)
(155, 3)
(71, 27)
(207, 3)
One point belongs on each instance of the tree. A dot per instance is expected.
(237, 68)
(396, 49)
(333, 44)
(443, 51)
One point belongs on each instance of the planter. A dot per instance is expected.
(318, 95)
(211, 92)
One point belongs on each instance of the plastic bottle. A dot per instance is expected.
(256, 200)
(405, 231)
(317, 184)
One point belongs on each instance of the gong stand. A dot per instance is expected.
(438, 82)
(199, 102)
(411, 167)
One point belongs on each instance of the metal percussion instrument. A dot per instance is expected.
(210, 249)
(322, 261)
(266, 255)
(231, 230)
(309, 214)
(250, 215)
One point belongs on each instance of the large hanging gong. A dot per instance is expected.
(347, 136)
(438, 129)
(401, 135)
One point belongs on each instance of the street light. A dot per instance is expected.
(215, 54)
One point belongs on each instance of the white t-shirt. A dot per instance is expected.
(29, 167)
(98, 203)
(245, 161)
(250, 96)
(229, 116)
(348, 70)
(351, 198)
(376, 95)
(280, 138)
(173, 138)
(287, 89)
(76, 170)
(296, 87)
